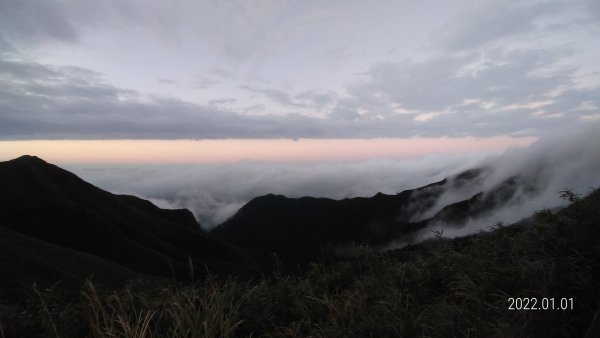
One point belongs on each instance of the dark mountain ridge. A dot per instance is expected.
(275, 223)
(48, 214)
(42, 202)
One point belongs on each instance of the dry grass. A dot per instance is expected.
(442, 289)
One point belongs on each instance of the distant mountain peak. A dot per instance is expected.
(29, 158)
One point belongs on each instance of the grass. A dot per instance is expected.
(442, 288)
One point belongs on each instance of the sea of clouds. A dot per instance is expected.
(214, 192)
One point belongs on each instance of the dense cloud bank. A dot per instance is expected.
(215, 192)
(542, 170)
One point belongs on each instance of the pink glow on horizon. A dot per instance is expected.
(234, 150)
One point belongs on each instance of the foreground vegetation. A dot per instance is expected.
(442, 288)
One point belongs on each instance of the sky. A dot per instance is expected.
(296, 70)
(148, 152)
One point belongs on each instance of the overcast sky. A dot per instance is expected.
(146, 69)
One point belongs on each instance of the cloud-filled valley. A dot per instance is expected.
(215, 192)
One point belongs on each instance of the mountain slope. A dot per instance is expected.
(437, 288)
(42, 201)
(26, 260)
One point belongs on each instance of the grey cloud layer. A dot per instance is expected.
(47, 102)
(50, 102)
(496, 68)
(498, 21)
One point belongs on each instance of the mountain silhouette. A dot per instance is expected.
(57, 230)
(47, 212)
(275, 223)
(55, 226)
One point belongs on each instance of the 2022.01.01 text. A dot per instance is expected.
(534, 303)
